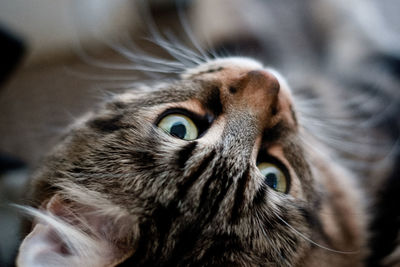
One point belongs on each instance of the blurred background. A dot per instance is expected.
(53, 56)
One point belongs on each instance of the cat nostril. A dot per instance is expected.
(232, 89)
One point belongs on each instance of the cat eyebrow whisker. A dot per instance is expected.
(184, 21)
(158, 39)
(198, 59)
(180, 54)
(137, 55)
(96, 77)
(187, 60)
(144, 58)
(120, 66)
(311, 241)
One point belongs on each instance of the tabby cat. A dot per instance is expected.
(212, 169)
(219, 167)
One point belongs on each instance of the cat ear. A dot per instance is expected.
(63, 237)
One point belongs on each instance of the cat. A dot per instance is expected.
(222, 166)
(211, 169)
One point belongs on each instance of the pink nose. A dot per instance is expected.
(263, 79)
(255, 91)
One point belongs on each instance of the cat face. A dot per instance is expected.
(211, 169)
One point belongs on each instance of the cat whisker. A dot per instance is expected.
(120, 66)
(185, 24)
(327, 123)
(352, 148)
(158, 39)
(178, 44)
(344, 135)
(210, 49)
(358, 104)
(187, 60)
(311, 241)
(110, 91)
(314, 112)
(96, 77)
(381, 115)
(357, 160)
(145, 59)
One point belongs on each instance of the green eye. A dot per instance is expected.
(274, 177)
(180, 126)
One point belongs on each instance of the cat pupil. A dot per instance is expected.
(271, 180)
(178, 130)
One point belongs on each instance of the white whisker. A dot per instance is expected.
(184, 22)
(144, 59)
(96, 77)
(119, 66)
(313, 242)
(188, 61)
(184, 49)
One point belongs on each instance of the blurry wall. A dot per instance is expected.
(52, 27)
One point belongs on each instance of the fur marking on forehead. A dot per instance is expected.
(233, 62)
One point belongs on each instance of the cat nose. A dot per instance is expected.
(262, 83)
(256, 91)
(264, 79)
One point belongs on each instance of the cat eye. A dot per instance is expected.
(180, 126)
(274, 176)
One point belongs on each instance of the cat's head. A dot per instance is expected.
(210, 169)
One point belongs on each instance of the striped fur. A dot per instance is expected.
(155, 200)
(202, 202)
